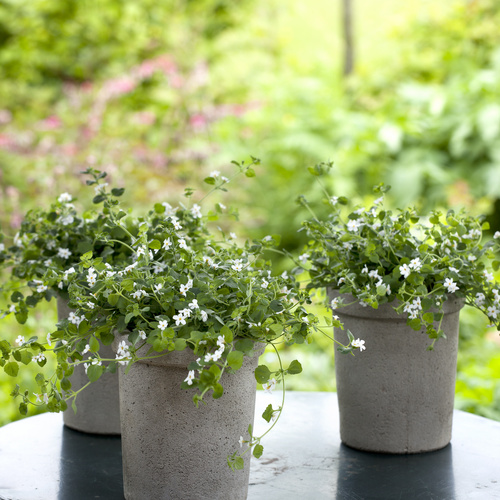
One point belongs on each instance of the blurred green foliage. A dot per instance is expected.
(160, 93)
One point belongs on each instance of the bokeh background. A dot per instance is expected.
(160, 93)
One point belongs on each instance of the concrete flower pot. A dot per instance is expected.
(98, 406)
(170, 448)
(396, 396)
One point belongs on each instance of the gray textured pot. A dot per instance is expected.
(170, 448)
(395, 397)
(98, 406)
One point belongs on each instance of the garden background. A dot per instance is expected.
(158, 94)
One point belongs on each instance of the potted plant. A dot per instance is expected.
(397, 280)
(188, 318)
(55, 239)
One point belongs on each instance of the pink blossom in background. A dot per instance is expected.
(118, 86)
(51, 123)
(5, 116)
(5, 141)
(198, 121)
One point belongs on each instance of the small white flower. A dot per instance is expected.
(179, 319)
(49, 340)
(405, 270)
(415, 264)
(214, 174)
(142, 334)
(45, 398)
(167, 244)
(182, 244)
(176, 223)
(471, 258)
(496, 235)
(364, 270)
(66, 220)
(224, 179)
(64, 198)
(353, 225)
(158, 287)
(334, 303)
(492, 312)
(378, 201)
(12, 308)
(413, 314)
(359, 344)
(241, 441)
(453, 270)
(264, 284)
(20, 340)
(303, 258)
(196, 211)
(141, 250)
(86, 350)
(208, 357)
(204, 316)
(269, 386)
(359, 211)
(237, 265)
(222, 206)
(450, 285)
(38, 397)
(193, 304)
(64, 253)
(139, 293)
(189, 379)
(2, 247)
(232, 236)
(334, 200)
(162, 324)
(488, 276)
(373, 274)
(221, 341)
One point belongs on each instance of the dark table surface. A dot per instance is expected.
(40, 459)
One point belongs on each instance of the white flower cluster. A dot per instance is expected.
(123, 353)
(414, 308)
(38, 357)
(218, 353)
(91, 276)
(185, 288)
(75, 319)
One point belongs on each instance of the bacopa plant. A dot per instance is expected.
(413, 261)
(152, 284)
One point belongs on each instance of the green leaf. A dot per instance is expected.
(65, 384)
(159, 208)
(257, 451)
(227, 334)
(428, 317)
(235, 359)
(16, 297)
(237, 464)
(209, 180)
(218, 391)
(117, 191)
(94, 344)
(86, 256)
(250, 172)
(415, 324)
(99, 198)
(155, 245)
(268, 413)
(40, 379)
(180, 344)
(23, 409)
(294, 368)
(113, 299)
(94, 372)
(11, 368)
(262, 374)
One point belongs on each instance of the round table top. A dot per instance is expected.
(41, 459)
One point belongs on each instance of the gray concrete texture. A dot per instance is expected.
(170, 448)
(98, 405)
(395, 396)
